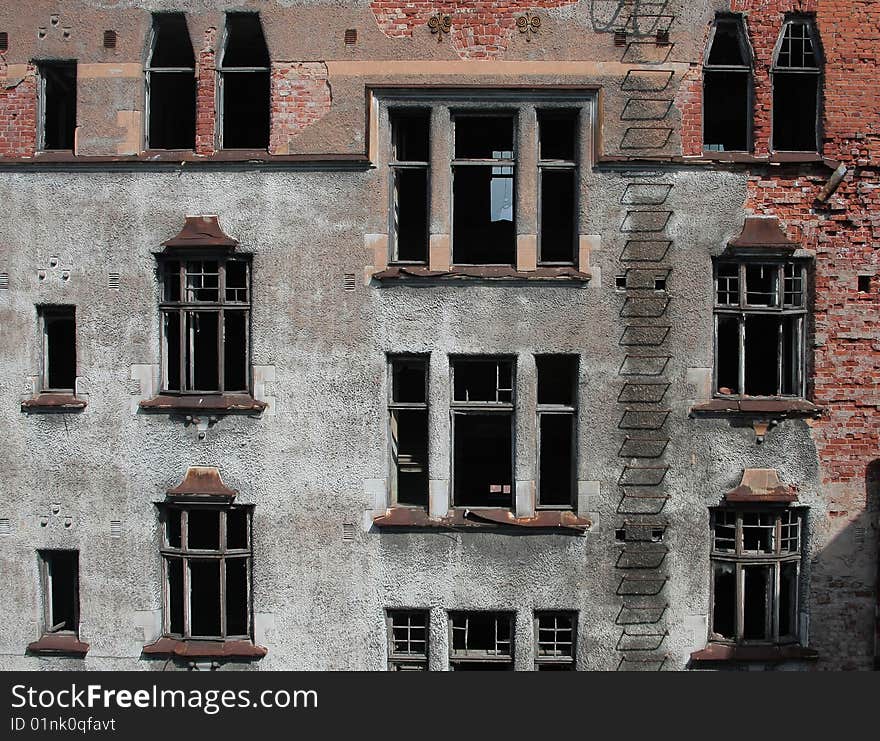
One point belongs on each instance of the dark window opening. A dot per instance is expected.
(204, 577)
(796, 89)
(558, 177)
(728, 46)
(483, 460)
(555, 641)
(410, 136)
(483, 137)
(203, 531)
(171, 85)
(60, 573)
(481, 641)
(660, 284)
(408, 411)
(244, 84)
(788, 589)
(408, 632)
(727, 89)
(864, 284)
(620, 282)
(59, 348)
(58, 88)
(756, 594)
(557, 416)
(236, 596)
(483, 381)
(175, 596)
(724, 607)
(410, 214)
(557, 133)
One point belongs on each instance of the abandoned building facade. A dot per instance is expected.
(533, 335)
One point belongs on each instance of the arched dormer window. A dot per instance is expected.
(797, 76)
(727, 87)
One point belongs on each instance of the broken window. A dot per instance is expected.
(408, 413)
(482, 431)
(481, 641)
(57, 120)
(727, 88)
(755, 572)
(760, 311)
(244, 84)
(410, 187)
(206, 325)
(555, 641)
(207, 561)
(171, 84)
(483, 230)
(59, 573)
(58, 325)
(796, 88)
(407, 640)
(558, 183)
(557, 429)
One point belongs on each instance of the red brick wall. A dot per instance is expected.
(689, 101)
(481, 29)
(300, 95)
(18, 114)
(206, 92)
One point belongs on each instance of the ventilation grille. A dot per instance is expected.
(4, 280)
(347, 531)
(113, 281)
(4, 41)
(109, 39)
(620, 37)
(351, 36)
(348, 282)
(662, 37)
(115, 528)
(5, 526)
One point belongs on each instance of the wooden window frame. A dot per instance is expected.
(394, 408)
(47, 314)
(556, 165)
(46, 582)
(395, 166)
(568, 410)
(407, 660)
(482, 656)
(555, 658)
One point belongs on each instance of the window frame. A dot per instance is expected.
(403, 661)
(572, 167)
(395, 164)
(46, 315)
(44, 556)
(569, 410)
(397, 406)
(482, 657)
(558, 661)
(41, 65)
(748, 70)
(817, 71)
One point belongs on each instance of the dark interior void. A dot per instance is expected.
(236, 280)
(557, 132)
(172, 46)
(409, 132)
(727, 47)
(408, 380)
(788, 599)
(236, 597)
(481, 666)
(724, 600)
(482, 380)
(484, 137)
(762, 284)
(758, 532)
(757, 586)
(175, 595)
(61, 351)
(557, 667)
(202, 350)
(204, 597)
(489, 632)
(203, 529)
(410, 214)
(483, 215)
(557, 378)
(59, 104)
(726, 111)
(172, 110)
(172, 528)
(483, 460)
(762, 356)
(245, 110)
(558, 215)
(236, 528)
(171, 280)
(556, 459)
(728, 354)
(795, 101)
(409, 438)
(245, 45)
(235, 351)
(172, 351)
(64, 577)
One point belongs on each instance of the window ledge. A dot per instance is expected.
(756, 408)
(52, 643)
(482, 519)
(53, 403)
(773, 157)
(482, 272)
(201, 649)
(216, 403)
(727, 652)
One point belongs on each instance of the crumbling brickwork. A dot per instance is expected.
(18, 113)
(206, 95)
(300, 96)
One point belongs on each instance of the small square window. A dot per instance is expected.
(408, 640)
(555, 641)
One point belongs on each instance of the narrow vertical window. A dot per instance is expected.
(796, 76)
(408, 418)
(57, 122)
(557, 429)
(410, 159)
(555, 641)
(59, 571)
(171, 84)
(58, 325)
(408, 633)
(727, 88)
(558, 186)
(244, 84)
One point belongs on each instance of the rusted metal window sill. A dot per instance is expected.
(414, 273)
(727, 652)
(213, 403)
(482, 519)
(53, 403)
(773, 157)
(202, 649)
(756, 408)
(54, 644)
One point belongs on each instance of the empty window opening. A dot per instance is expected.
(57, 104)
(244, 84)
(864, 283)
(660, 283)
(555, 641)
(408, 632)
(557, 425)
(620, 282)
(483, 190)
(796, 88)
(171, 84)
(408, 416)
(481, 641)
(206, 325)
(60, 577)
(59, 348)
(558, 177)
(727, 88)
(410, 185)
(207, 572)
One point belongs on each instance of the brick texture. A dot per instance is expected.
(18, 114)
(206, 93)
(300, 96)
